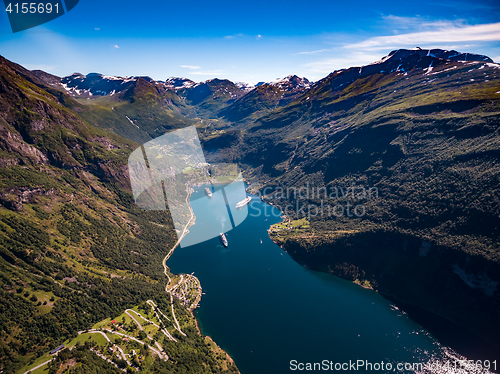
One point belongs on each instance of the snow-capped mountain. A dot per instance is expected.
(291, 82)
(438, 53)
(178, 83)
(96, 84)
(267, 96)
(245, 86)
(237, 101)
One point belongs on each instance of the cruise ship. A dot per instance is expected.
(244, 202)
(223, 239)
(208, 192)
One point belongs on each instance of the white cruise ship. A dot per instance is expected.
(244, 202)
(223, 239)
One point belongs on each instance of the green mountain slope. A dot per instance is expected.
(143, 112)
(407, 150)
(257, 102)
(136, 108)
(423, 133)
(74, 250)
(211, 96)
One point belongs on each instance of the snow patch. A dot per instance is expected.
(381, 61)
(132, 122)
(244, 86)
(442, 71)
(128, 79)
(111, 78)
(291, 82)
(174, 83)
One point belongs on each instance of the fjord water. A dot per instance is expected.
(266, 310)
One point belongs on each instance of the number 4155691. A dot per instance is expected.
(32, 8)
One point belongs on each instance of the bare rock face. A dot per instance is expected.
(38, 125)
(105, 142)
(13, 142)
(14, 198)
(33, 153)
(8, 162)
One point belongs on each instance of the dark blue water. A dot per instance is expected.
(266, 310)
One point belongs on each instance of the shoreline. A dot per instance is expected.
(166, 269)
(191, 223)
(450, 335)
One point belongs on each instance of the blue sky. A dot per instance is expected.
(247, 41)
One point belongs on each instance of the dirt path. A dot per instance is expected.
(38, 366)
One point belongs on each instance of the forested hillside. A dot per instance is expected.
(422, 133)
(419, 130)
(74, 249)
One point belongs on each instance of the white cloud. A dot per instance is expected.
(259, 36)
(195, 70)
(446, 33)
(97, 28)
(314, 52)
(418, 24)
(116, 46)
(239, 35)
(431, 34)
(326, 66)
(210, 72)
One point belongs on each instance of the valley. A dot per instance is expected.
(421, 127)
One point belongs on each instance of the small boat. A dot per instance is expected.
(223, 239)
(208, 192)
(244, 202)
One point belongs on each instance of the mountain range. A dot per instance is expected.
(419, 127)
(212, 98)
